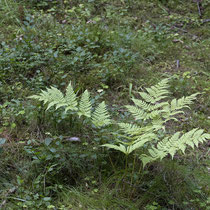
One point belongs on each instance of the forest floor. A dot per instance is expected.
(113, 49)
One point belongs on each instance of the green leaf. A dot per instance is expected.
(2, 141)
(85, 105)
(47, 141)
(146, 159)
(137, 113)
(71, 99)
(47, 198)
(121, 148)
(53, 150)
(101, 116)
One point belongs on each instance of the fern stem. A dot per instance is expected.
(112, 164)
(126, 168)
(126, 163)
(132, 174)
(139, 172)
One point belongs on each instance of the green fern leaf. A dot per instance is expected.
(182, 102)
(194, 137)
(158, 106)
(130, 129)
(157, 154)
(140, 142)
(158, 124)
(101, 117)
(169, 145)
(52, 96)
(121, 148)
(56, 98)
(136, 112)
(148, 98)
(141, 104)
(85, 105)
(154, 114)
(37, 97)
(70, 98)
(146, 159)
(175, 143)
(157, 92)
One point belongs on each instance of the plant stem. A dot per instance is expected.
(132, 174)
(112, 164)
(126, 164)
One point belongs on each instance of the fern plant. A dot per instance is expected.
(70, 103)
(151, 113)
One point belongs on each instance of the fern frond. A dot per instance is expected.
(158, 124)
(154, 114)
(156, 93)
(177, 142)
(194, 137)
(133, 146)
(144, 138)
(158, 106)
(146, 159)
(101, 117)
(148, 98)
(85, 105)
(177, 104)
(149, 107)
(141, 104)
(136, 112)
(121, 148)
(70, 98)
(52, 96)
(169, 146)
(136, 146)
(130, 129)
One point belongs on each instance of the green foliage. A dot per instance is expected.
(100, 116)
(174, 144)
(151, 115)
(54, 97)
(48, 160)
(107, 45)
(85, 105)
(83, 50)
(16, 116)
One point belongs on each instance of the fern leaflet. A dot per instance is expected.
(70, 98)
(85, 105)
(136, 112)
(101, 117)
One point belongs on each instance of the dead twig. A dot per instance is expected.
(199, 8)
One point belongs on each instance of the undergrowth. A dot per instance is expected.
(53, 159)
